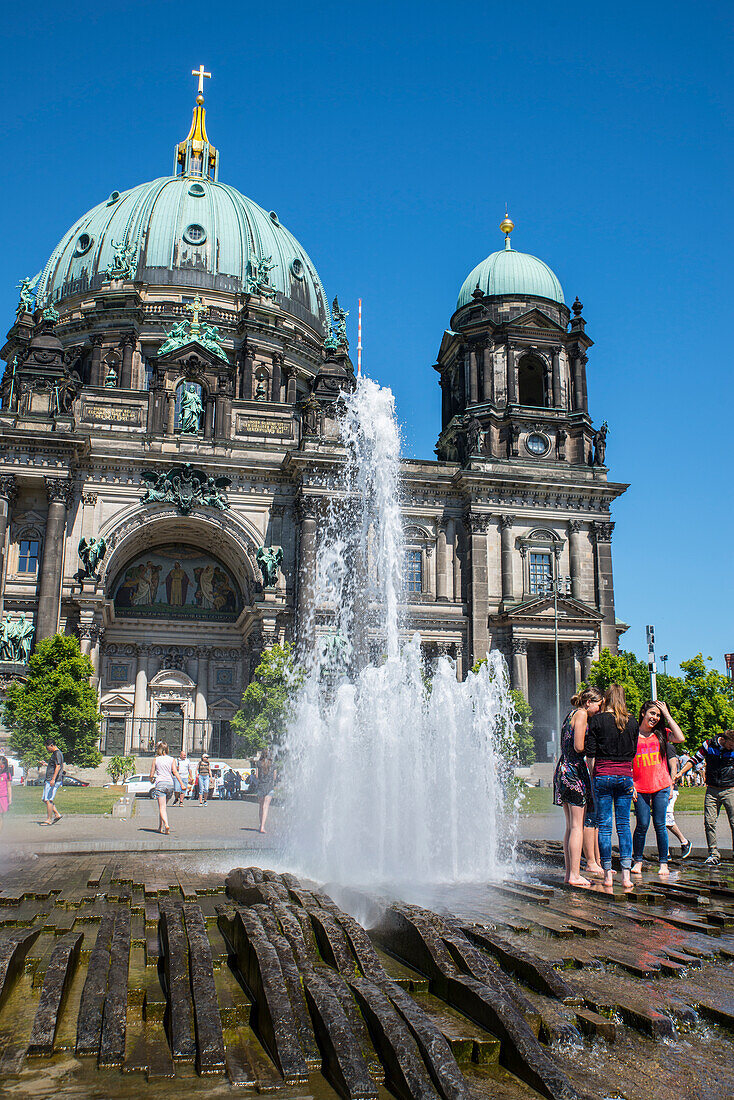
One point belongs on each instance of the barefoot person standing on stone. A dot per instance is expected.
(653, 782)
(611, 744)
(52, 783)
(571, 782)
(267, 777)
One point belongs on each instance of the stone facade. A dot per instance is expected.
(97, 445)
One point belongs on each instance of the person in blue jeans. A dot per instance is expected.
(653, 782)
(611, 743)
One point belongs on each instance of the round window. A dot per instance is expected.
(274, 217)
(113, 198)
(297, 268)
(537, 444)
(195, 234)
(83, 244)
(197, 190)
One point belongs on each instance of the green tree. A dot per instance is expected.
(267, 704)
(521, 740)
(56, 701)
(120, 767)
(623, 668)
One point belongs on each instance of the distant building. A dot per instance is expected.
(167, 422)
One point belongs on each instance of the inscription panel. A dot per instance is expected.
(97, 412)
(261, 425)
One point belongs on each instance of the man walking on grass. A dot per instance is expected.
(54, 771)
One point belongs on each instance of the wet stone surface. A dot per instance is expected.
(128, 976)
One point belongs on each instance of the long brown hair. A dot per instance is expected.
(615, 702)
(659, 729)
(4, 766)
(587, 695)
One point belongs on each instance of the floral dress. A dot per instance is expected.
(571, 782)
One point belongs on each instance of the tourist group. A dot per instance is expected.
(611, 761)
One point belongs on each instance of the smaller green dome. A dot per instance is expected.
(511, 272)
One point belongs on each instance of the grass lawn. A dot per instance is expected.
(539, 800)
(69, 800)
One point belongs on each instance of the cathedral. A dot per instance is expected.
(168, 430)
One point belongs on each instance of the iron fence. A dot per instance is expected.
(123, 736)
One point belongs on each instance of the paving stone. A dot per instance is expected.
(56, 983)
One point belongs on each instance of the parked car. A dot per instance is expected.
(140, 785)
(72, 781)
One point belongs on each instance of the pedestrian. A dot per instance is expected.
(181, 785)
(228, 783)
(652, 779)
(717, 753)
(267, 776)
(52, 783)
(571, 781)
(164, 773)
(204, 774)
(670, 822)
(6, 788)
(237, 785)
(611, 744)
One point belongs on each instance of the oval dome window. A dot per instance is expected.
(113, 198)
(83, 244)
(297, 268)
(274, 218)
(194, 234)
(197, 190)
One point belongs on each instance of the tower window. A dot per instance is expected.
(414, 571)
(540, 572)
(28, 556)
(530, 382)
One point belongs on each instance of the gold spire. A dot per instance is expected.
(191, 152)
(507, 225)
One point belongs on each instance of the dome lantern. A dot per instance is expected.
(196, 156)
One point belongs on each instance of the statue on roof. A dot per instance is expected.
(260, 282)
(51, 315)
(339, 323)
(91, 552)
(121, 264)
(27, 296)
(600, 444)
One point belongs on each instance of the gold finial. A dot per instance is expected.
(201, 74)
(507, 225)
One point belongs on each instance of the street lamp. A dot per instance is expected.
(664, 659)
(556, 586)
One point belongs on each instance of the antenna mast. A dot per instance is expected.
(359, 341)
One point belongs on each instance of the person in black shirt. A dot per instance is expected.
(54, 772)
(611, 744)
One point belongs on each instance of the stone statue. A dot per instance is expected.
(190, 331)
(311, 412)
(339, 322)
(600, 444)
(121, 265)
(270, 559)
(110, 380)
(261, 392)
(189, 416)
(186, 488)
(16, 639)
(25, 305)
(474, 435)
(91, 552)
(260, 277)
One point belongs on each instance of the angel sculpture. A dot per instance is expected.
(91, 552)
(270, 559)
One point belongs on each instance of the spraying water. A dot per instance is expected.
(391, 778)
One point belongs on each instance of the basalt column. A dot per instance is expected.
(602, 534)
(478, 586)
(58, 491)
(508, 581)
(308, 511)
(7, 496)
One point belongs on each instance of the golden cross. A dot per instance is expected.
(201, 74)
(196, 309)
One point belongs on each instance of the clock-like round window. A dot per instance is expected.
(537, 444)
(194, 234)
(297, 268)
(83, 244)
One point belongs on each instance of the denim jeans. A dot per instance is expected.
(614, 793)
(658, 803)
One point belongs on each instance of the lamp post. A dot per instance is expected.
(664, 659)
(556, 586)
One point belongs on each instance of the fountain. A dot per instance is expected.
(392, 777)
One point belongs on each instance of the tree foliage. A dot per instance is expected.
(267, 704)
(56, 701)
(120, 767)
(701, 700)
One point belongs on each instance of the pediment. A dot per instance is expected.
(172, 678)
(116, 700)
(535, 318)
(540, 609)
(192, 354)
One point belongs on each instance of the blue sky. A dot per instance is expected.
(388, 138)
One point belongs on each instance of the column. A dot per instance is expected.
(548, 375)
(473, 376)
(128, 347)
(602, 535)
(7, 496)
(246, 392)
(276, 376)
(511, 375)
(506, 557)
(477, 526)
(445, 383)
(576, 542)
(170, 412)
(442, 579)
(96, 374)
(290, 374)
(140, 702)
(209, 417)
(308, 510)
(578, 674)
(587, 656)
(59, 492)
(579, 380)
(202, 687)
(520, 665)
(557, 377)
(458, 594)
(96, 635)
(487, 374)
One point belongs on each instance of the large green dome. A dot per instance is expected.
(513, 273)
(185, 231)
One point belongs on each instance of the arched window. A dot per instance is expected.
(531, 382)
(27, 555)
